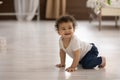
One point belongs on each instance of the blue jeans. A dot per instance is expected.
(91, 59)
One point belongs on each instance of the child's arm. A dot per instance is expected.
(75, 61)
(62, 59)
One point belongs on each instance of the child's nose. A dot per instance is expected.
(67, 30)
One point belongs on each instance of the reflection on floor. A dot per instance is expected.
(32, 51)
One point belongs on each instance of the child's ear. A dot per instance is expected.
(58, 32)
(74, 29)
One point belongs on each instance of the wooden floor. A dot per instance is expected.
(32, 51)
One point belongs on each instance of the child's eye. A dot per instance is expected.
(63, 28)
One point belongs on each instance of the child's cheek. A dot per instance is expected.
(61, 32)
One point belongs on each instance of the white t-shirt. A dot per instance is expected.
(74, 45)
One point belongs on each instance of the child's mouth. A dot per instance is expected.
(67, 34)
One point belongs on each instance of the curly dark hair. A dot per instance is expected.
(65, 18)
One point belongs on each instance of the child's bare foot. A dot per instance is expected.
(103, 64)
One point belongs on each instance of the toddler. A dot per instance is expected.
(83, 53)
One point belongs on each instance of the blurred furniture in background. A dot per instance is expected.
(109, 11)
(104, 8)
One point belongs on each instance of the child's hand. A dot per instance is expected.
(60, 65)
(70, 69)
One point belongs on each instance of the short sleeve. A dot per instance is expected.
(60, 44)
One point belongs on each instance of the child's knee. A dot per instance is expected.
(87, 66)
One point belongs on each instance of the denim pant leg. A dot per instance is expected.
(91, 59)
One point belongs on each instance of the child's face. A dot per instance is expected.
(66, 29)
